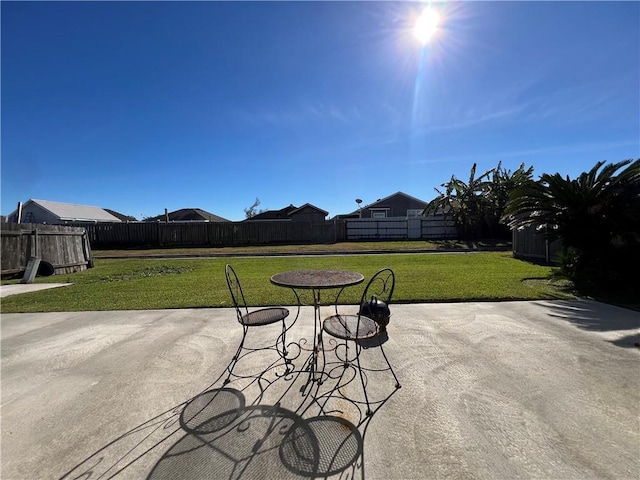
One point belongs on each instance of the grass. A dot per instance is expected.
(383, 246)
(147, 283)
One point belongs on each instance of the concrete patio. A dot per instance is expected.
(547, 389)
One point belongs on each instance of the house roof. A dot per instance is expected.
(282, 214)
(74, 212)
(122, 217)
(382, 203)
(311, 207)
(285, 213)
(189, 215)
(343, 216)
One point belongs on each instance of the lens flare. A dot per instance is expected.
(426, 25)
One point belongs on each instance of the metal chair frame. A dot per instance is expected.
(255, 318)
(366, 330)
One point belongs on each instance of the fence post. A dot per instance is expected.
(36, 249)
(546, 245)
(86, 249)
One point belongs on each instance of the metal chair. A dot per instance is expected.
(256, 318)
(364, 331)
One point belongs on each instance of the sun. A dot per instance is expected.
(426, 25)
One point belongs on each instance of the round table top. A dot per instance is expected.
(317, 279)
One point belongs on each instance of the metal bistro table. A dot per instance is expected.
(316, 281)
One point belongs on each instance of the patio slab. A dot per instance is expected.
(18, 288)
(547, 389)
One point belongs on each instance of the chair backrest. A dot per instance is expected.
(235, 289)
(380, 286)
(378, 290)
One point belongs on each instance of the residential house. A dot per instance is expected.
(188, 215)
(58, 213)
(122, 217)
(397, 205)
(305, 213)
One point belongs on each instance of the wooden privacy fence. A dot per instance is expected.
(215, 234)
(229, 234)
(400, 228)
(66, 249)
(530, 245)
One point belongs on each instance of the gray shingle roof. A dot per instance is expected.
(189, 215)
(285, 213)
(76, 213)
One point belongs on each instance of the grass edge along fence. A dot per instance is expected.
(527, 243)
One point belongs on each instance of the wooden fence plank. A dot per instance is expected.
(176, 234)
(529, 244)
(400, 228)
(64, 247)
(68, 248)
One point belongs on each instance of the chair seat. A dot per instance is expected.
(264, 316)
(346, 327)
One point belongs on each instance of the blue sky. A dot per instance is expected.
(141, 106)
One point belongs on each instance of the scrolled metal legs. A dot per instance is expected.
(390, 367)
(236, 356)
(364, 387)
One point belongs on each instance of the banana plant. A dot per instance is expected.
(466, 202)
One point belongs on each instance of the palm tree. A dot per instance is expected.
(596, 216)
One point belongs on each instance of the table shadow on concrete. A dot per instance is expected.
(262, 424)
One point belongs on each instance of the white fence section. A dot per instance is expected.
(400, 228)
(414, 228)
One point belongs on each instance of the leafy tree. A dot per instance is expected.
(465, 201)
(252, 210)
(502, 183)
(596, 216)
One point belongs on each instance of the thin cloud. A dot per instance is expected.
(303, 114)
(475, 120)
(571, 105)
(569, 149)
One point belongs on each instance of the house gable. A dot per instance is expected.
(308, 213)
(282, 214)
(189, 215)
(305, 213)
(397, 205)
(46, 211)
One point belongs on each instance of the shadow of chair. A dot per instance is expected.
(239, 432)
(366, 328)
(250, 319)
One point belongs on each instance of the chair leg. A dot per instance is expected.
(236, 357)
(364, 388)
(346, 354)
(284, 353)
(390, 368)
(324, 358)
(284, 339)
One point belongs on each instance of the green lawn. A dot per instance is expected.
(126, 284)
(340, 247)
